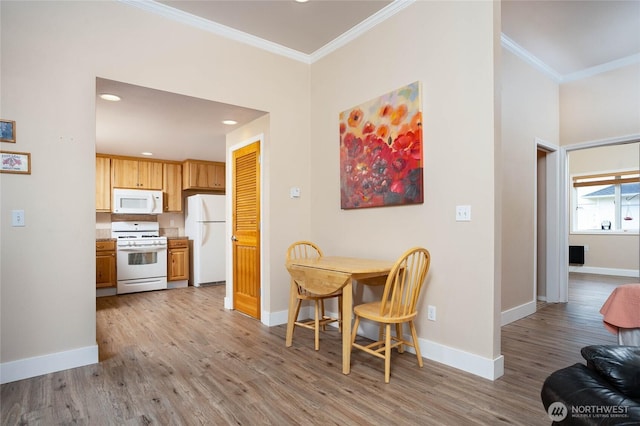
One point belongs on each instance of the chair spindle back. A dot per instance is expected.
(402, 289)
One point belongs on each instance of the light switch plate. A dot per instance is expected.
(294, 192)
(17, 217)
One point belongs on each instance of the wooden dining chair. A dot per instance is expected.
(397, 306)
(306, 250)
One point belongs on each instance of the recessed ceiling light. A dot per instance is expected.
(147, 153)
(230, 122)
(110, 97)
(301, 1)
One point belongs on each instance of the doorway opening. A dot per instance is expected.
(609, 253)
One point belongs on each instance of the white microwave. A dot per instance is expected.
(136, 201)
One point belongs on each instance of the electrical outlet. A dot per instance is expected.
(431, 313)
(463, 213)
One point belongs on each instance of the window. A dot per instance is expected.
(606, 202)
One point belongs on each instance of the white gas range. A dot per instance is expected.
(141, 256)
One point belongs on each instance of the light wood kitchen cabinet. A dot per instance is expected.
(178, 259)
(172, 187)
(106, 264)
(136, 174)
(103, 184)
(208, 175)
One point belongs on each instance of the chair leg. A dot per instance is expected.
(414, 336)
(340, 313)
(356, 323)
(387, 354)
(317, 324)
(324, 326)
(298, 304)
(380, 332)
(399, 337)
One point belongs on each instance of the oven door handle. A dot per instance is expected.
(143, 249)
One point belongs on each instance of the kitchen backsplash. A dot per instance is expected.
(170, 232)
(171, 224)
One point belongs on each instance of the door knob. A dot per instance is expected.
(233, 238)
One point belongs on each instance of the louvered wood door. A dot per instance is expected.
(246, 230)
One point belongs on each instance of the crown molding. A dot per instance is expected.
(215, 28)
(242, 37)
(523, 54)
(598, 69)
(364, 26)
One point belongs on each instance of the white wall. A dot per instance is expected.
(52, 53)
(530, 110)
(604, 106)
(450, 48)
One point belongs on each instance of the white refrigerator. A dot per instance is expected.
(205, 225)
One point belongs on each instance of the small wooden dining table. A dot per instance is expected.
(367, 271)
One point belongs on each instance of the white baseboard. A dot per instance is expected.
(633, 273)
(519, 312)
(281, 317)
(50, 363)
(471, 363)
(486, 368)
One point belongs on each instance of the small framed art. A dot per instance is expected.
(7, 131)
(15, 162)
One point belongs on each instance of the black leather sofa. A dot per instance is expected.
(605, 391)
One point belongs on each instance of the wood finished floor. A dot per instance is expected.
(177, 357)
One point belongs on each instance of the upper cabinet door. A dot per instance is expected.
(150, 174)
(208, 175)
(172, 187)
(103, 184)
(124, 173)
(136, 174)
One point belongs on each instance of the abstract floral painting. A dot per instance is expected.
(381, 158)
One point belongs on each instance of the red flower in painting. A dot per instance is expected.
(352, 145)
(409, 143)
(343, 128)
(368, 128)
(355, 117)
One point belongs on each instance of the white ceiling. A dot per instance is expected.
(304, 27)
(565, 38)
(573, 36)
(171, 126)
